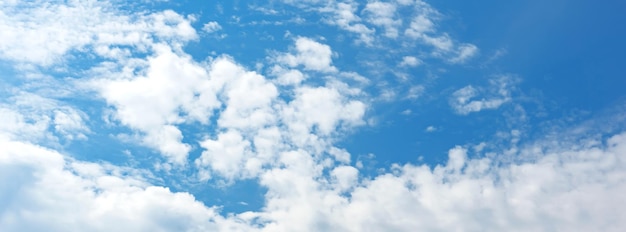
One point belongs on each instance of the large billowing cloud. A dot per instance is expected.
(553, 188)
(279, 128)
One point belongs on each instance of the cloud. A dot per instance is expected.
(499, 92)
(311, 55)
(572, 188)
(281, 133)
(464, 52)
(343, 14)
(227, 155)
(419, 24)
(257, 127)
(471, 194)
(152, 103)
(382, 14)
(34, 118)
(410, 61)
(38, 32)
(211, 27)
(415, 92)
(43, 190)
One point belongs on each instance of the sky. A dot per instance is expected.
(312, 115)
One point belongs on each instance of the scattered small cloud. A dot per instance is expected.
(410, 61)
(415, 92)
(310, 54)
(465, 52)
(211, 27)
(464, 101)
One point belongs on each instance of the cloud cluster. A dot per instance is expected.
(377, 21)
(278, 129)
(42, 189)
(42, 33)
(554, 188)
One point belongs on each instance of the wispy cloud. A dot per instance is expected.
(464, 100)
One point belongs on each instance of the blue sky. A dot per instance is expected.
(398, 115)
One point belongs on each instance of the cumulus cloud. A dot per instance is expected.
(311, 55)
(211, 27)
(152, 103)
(572, 188)
(42, 189)
(279, 132)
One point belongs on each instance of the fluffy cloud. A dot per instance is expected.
(382, 14)
(572, 188)
(43, 190)
(152, 103)
(569, 189)
(310, 54)
(211, 27)
(259, 127)
(279, 132)
(38, 32)
(410, 61)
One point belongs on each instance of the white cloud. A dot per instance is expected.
(465, 52)
(70, 124)
(40, 190)
(248, 98)
(556, 188)
(415, 92)
(431, 129)
(420, 25)
(211, 27)
(322, 109)
(287, 76)
(227, 156)
(31, 117)
(344, 177)
(282, 137)
(344, 15)
(260, 128)
(152, 103)
(382, 14)
(311, 55)
(463, 100)
(43, 33)
(410, 61)
(417, 22)
(470, 194)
